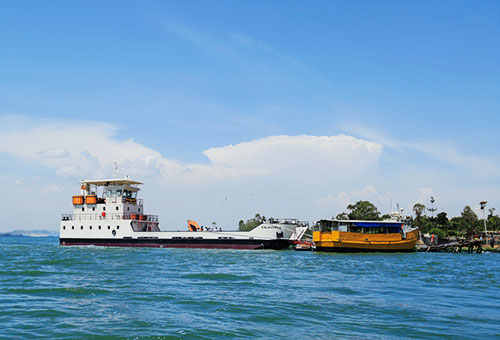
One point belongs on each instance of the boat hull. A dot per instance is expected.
(351, 249)
(347, 242)
(277, 244)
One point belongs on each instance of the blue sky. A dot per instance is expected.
(171, 80)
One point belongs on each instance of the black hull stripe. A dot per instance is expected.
(181, 243)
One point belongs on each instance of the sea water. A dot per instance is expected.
(54, 292)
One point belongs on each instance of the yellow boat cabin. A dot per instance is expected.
(394, 235)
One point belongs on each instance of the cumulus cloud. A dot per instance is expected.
(76, 148)
(85, 148)
(303, 176)
(276, 175)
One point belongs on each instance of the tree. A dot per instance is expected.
(469, 221)
(432, 209)
(363, 210)
(438, 231)
(442, 219)
(251, 223)
(386, 217)
(342, 216)
(419, 210)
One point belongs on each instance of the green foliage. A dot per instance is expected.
(342, 216)
(386, 217)
(363, 210)
(469, 221)
(467, 224)
(493, 222)
(419, 210)
(442, 219)
(437, 231)
(251, 223)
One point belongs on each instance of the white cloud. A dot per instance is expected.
(53, 153)
(51, 188)
(307, 177)
(424, 194)
(282, 173)
(344, 198)
(442, 151)
(85, 148)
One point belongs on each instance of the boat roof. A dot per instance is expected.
(361, 221)
(106, 182)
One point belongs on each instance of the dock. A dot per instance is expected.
(470, 246)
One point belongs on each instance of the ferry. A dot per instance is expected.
(392, 235)
(109, 212)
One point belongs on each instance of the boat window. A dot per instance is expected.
(354, 229)
(83, 209)
(90, 227)
(117, 227)
(72, 227)
(99, 227)
(103, 208)
(125, 193)
(108, 193)
(118, 192)
(81, 227)
(117, 208)
(64, 227)
(133, 194)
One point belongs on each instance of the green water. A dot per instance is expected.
(53, 292)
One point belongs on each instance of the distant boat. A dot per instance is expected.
(108, 213)
(393, 235)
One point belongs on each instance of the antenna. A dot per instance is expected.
(115, 173)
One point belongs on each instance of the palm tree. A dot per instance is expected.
(419, 209)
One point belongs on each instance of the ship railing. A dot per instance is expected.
(83, 217)
(66, 217)
(138, 217)
(288, 221)
(114, 199)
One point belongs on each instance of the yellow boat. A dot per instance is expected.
(394, 235)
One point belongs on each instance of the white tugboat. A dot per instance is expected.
(109, 213)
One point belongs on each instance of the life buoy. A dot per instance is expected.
(84, 187)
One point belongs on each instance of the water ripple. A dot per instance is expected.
(48, 291)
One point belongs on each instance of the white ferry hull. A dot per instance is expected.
(276, 244)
